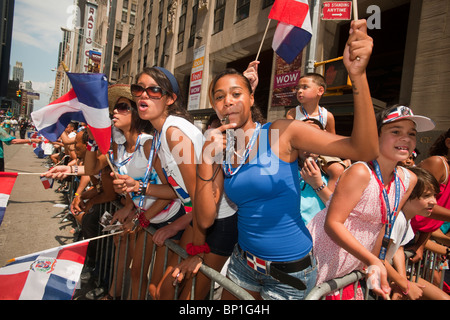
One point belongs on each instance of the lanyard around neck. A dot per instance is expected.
(307, 115)
(127, 160)
(156, 143)
(390, 214)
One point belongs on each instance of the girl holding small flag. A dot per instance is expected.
(353, 231)
(175, 149)
(131, 155)
(178, 148)
(273, 257)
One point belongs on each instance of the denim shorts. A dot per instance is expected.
(268, 287)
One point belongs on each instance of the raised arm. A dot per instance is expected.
(363, 142)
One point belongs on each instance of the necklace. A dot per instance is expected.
(125, 161)
(227, 167)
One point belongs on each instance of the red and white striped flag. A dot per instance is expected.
(87, 102)
(7, 180)
(294, 29)
(46, 275)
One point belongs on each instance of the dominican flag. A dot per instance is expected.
(47, 275)
(7, 180)
(47, 182)
(87, 102)
(294, 30)
(256, 263)
(33, 135)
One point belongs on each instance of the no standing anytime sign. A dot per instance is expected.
(337, 10)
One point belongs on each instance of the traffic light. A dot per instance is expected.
(19, 93)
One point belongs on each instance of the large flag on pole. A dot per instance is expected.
(7, 180)
(294, 29)
(87, 102)
(47, 275)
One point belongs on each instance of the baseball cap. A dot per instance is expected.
(402, 112)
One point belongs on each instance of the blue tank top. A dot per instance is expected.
(267, 194)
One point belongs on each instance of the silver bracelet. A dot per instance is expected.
(320, 188)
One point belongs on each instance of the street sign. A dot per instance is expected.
(337, 10)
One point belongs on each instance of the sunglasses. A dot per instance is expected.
(153, 92)
(122, 107)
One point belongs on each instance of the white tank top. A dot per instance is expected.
(136, 167)
(169, 162)
(322, 117)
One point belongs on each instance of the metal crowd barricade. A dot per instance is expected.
(107, 264)
(71, 184)
(321, 291)
(423, 269)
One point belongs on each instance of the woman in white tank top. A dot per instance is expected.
(129, 154)
(177, 147)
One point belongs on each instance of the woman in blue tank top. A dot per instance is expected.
(273, 258)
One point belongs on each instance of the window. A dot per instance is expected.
(118, 34)
(193, 24)
(158, 33)
(182, 26)
(219, 16)
(267, 3)
(242, 9)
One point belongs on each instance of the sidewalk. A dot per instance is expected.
(32, 219)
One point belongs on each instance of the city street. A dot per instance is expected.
(33, 216)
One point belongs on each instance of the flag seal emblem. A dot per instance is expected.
(43, 265)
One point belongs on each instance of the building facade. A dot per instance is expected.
(18, 72)
(409, 64)
(6, 28)
(196, 39)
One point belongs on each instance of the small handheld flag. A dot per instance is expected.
(86, 102)
(47, 182)
(294, 29)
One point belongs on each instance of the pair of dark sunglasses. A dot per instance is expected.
(122, 107)
(153, 92)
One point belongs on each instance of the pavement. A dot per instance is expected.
(33, 217)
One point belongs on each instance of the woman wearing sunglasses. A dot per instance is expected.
(130, 153)
(158, 100)
(174, 152)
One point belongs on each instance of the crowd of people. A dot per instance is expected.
(8, 128)
(289, 204)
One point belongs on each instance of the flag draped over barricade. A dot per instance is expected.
(52, 274)
(294, 30)
(7, 180)
(87, 102)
